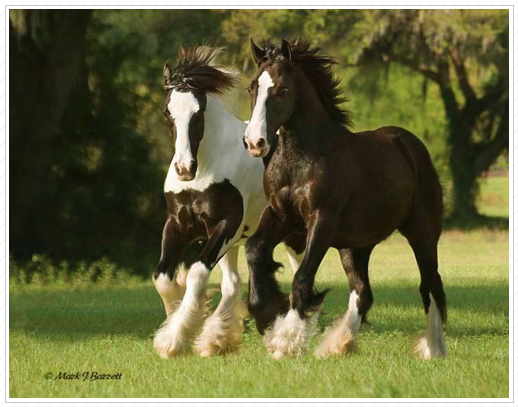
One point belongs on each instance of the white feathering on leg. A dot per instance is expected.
(431, 344)
(221, 332)
(175, 334)
(339, 339)
(290, 334)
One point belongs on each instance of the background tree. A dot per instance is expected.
(466, 54)
(88, 146)
(462, 52)
(47, 56)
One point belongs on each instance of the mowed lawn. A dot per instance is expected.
(110, 330)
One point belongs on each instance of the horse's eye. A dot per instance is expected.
(283, 91)
(248, 90)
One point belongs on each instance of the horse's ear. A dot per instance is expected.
(167, 70)
(285, 50)
(257, 52)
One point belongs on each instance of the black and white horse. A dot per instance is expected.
(213, 191)
(338, 189)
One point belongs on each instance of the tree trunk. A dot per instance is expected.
(47, 57)
(464, 186)
(469, 159)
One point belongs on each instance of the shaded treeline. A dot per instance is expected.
(89, 149)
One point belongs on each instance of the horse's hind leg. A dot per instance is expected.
(222, 329)
(431, 343)
(339, 340)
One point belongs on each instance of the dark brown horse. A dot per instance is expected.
(337, 189)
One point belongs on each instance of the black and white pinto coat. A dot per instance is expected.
(223, 204)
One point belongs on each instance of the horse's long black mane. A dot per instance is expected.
(195, 70)
(319, 69)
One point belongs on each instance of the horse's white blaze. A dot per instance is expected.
(432, 343)
(180, 328)
(182, 106)
(256, 129)
(290, 334)
(339, 339)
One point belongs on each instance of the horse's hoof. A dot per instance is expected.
(289, 335)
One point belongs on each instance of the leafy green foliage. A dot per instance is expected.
(110, 151)
(103, 194)
(41, 271)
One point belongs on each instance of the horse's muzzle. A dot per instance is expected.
(186, 173)
(260, 149)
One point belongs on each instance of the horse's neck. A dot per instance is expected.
(221, 136)
(310, 117)
(307, 137)
(310, 131)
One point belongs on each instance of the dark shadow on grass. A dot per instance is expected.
(138, 312)
(79, 315)
(487, 301)
(477, 222)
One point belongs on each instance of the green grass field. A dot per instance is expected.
(55, 328)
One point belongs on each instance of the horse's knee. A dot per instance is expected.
(163, 283)
(162, 268)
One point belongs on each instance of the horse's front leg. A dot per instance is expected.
(265, 298)
(176, 334)
(290, 333)
(221, 331)
(168, 277)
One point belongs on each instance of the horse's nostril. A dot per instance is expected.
(177, 169)
(260, 143)
(245, 143)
